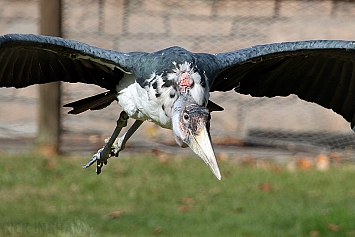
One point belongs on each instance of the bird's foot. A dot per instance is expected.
(109, 149)
(99, 159)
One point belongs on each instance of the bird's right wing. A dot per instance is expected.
(33, 59)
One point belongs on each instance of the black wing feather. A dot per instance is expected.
(317, 71)
(95, 102)
(32, 59)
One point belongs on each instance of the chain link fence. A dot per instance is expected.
(200, 26)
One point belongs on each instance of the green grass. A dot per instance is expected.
(141, 196)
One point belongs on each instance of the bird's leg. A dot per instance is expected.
(120, 142)
(104, 153)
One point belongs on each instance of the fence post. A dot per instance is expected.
(49, 125)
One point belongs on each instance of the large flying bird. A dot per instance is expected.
(171, 87)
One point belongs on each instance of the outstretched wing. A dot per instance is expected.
(32, 59)
(317, 71)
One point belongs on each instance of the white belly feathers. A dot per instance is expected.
(139, 104)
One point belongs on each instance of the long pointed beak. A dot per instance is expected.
(201, 144)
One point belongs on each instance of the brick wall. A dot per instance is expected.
(204, 25)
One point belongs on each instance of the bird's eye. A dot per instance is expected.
(186, 116)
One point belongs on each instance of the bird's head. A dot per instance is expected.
(191, 125)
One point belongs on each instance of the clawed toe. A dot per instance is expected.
(113, 144)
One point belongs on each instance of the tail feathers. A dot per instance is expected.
(95, 102)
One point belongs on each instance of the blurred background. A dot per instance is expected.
(311, 194)
(198, 25)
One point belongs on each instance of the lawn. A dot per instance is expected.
(141, 195)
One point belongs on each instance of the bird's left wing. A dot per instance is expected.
(317, 71)
(33, 59)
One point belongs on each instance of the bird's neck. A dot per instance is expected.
(183, 100)
(179, 106)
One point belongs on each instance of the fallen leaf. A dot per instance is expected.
(291, 166)
(314, 233)
(188, 200)
(333, 227)
(163, 158)
(304, 163)
(322, 162)
(265, 187)
(276, 169)
(262, 164)
(115, 214)
(223, 156)
(249, 160)
(157, 230)
(183, 208)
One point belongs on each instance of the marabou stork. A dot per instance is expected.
(171, 87)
